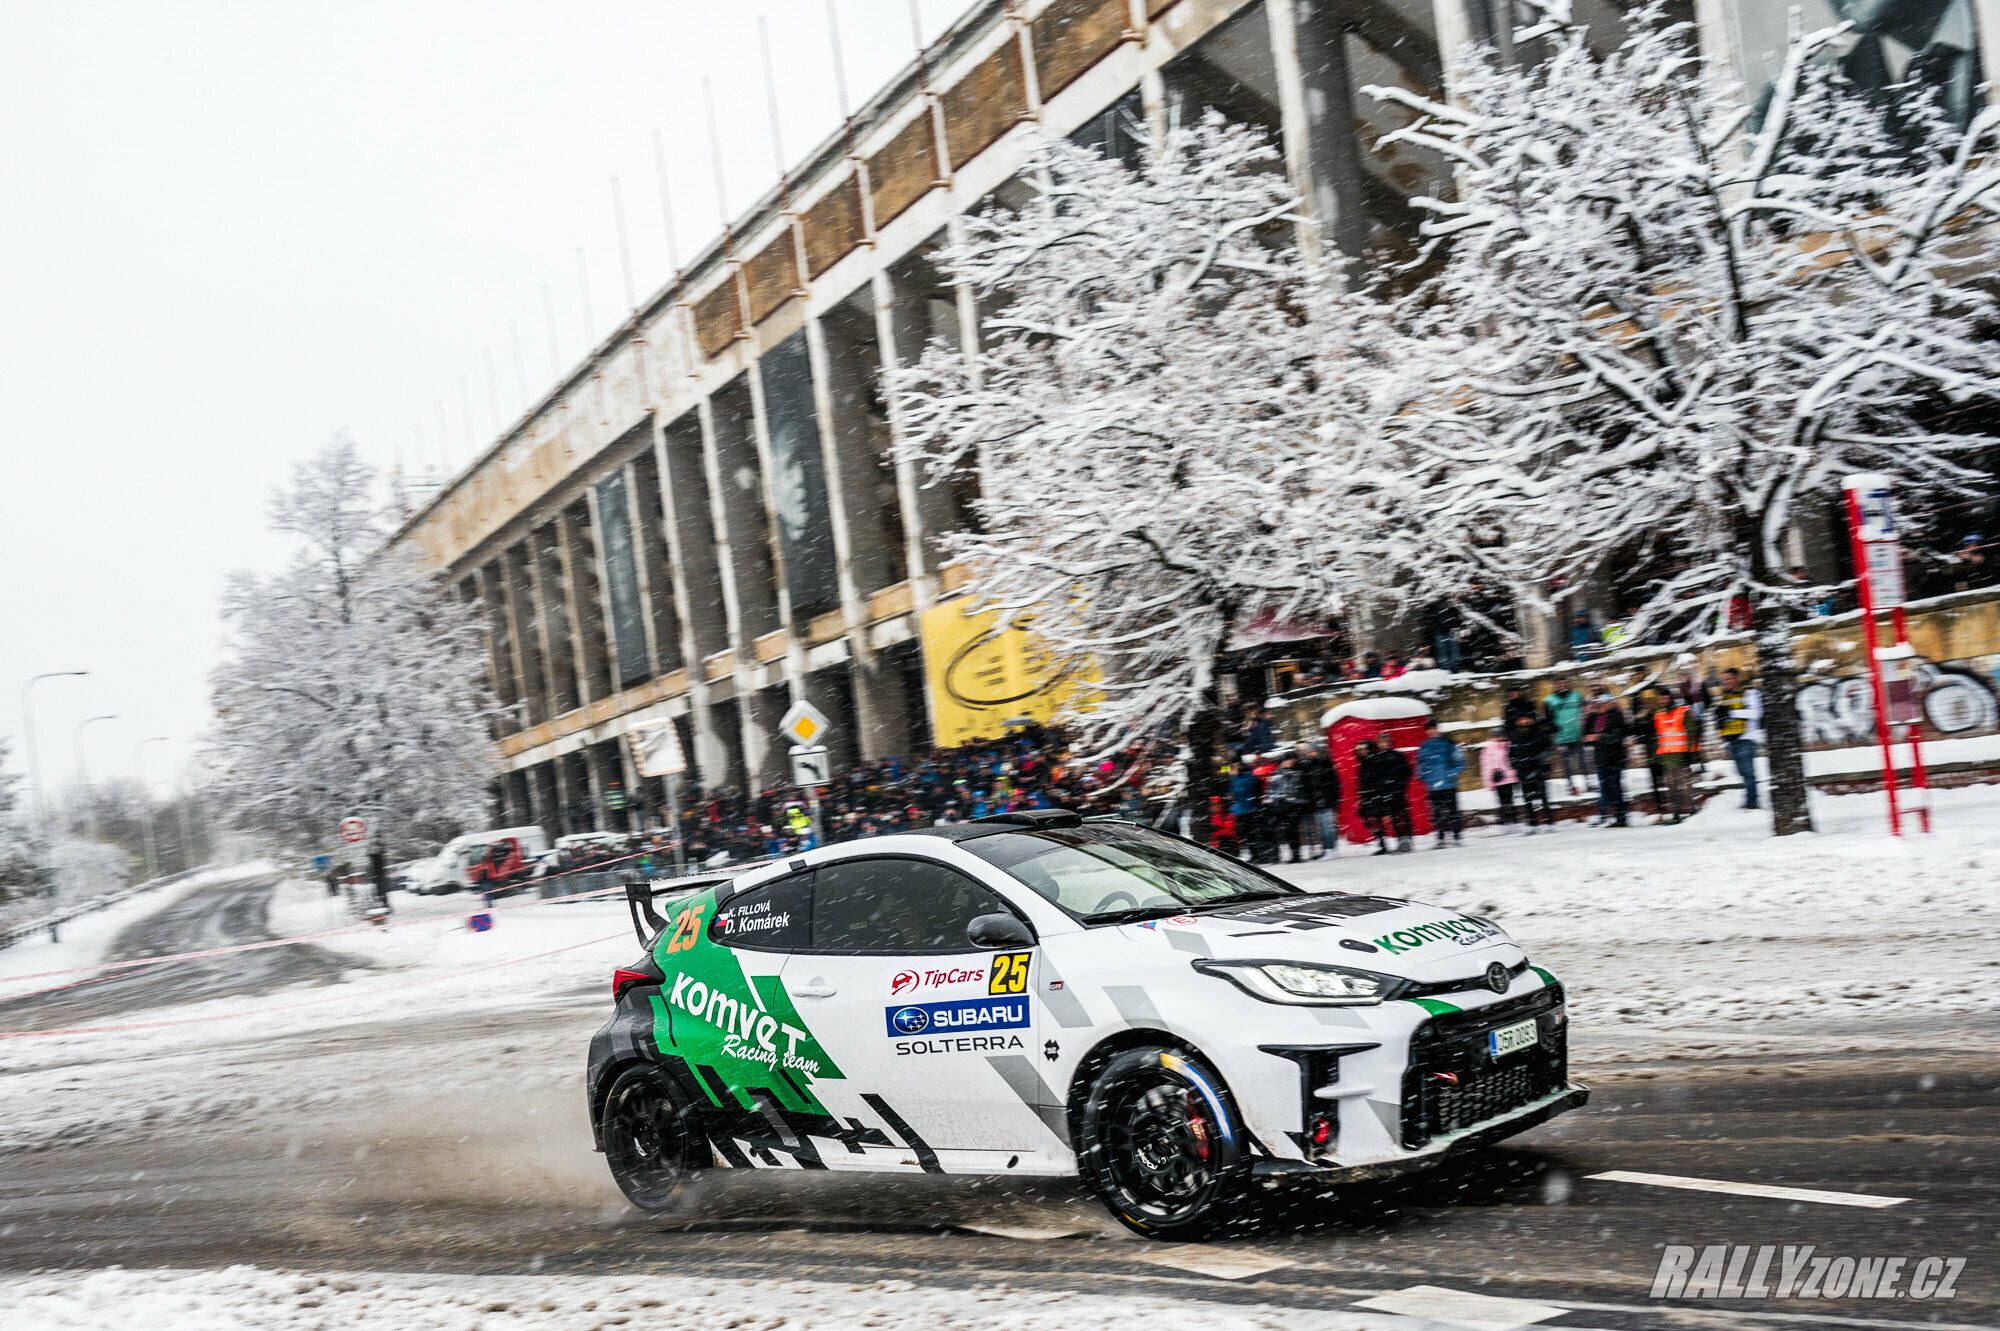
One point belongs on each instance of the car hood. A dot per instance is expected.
(1383, 934)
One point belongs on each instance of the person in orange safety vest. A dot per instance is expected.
(1677, 744)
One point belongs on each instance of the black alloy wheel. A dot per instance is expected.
(1161, 1143)
(651, 1139)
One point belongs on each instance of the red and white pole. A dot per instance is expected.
(1878, 571)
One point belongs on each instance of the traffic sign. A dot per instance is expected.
(353, 830)
(810, 765)
(803, 723)
(656, 748)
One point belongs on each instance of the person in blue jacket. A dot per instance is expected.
(1439, 762)
(1246, 803)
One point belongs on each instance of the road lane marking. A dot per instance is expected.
(1029, 1233)
(1222, 1263)
(1463, 1308)
(1749, 1189)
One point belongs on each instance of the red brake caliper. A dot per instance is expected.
(1198, 1128)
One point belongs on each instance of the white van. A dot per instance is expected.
(448, 870)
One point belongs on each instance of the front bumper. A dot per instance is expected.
(1396, 1087)
(1482, 1134)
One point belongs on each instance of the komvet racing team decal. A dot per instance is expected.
(1460, 929)
(711, 1013)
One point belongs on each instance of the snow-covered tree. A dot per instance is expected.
(82, 868)
(356, 684)
(17, 851)
(1169, 422)
(1669, 321)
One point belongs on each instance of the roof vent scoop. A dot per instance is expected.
(1034, 818)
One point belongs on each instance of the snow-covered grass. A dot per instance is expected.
(246, 1298)
(1715, 939)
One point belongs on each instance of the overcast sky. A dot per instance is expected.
(232, 229)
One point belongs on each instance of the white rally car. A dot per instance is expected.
(1038, 993)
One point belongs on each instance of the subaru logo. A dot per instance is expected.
(911, 1020)
(1496, 978)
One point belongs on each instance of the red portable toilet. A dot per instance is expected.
(1396, 718)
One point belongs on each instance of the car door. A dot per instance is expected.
(935, 1037)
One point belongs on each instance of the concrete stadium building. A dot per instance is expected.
(704, 521)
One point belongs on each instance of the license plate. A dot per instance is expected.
(1513, 1039)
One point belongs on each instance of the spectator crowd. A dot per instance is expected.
(1284, 800)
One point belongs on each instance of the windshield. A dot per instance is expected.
(1114, 871)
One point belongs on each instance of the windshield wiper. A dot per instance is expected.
(1132, 913)
(1261, 894)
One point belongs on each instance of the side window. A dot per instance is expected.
(775, 917)
(896, 906)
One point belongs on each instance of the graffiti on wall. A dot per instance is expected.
(1959, 698)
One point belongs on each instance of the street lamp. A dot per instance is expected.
(83, 774)
(152, 842)
(37, 808)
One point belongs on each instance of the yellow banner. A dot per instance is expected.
(981, 677)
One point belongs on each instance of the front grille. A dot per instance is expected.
(1438, 988)
(1454, 1083)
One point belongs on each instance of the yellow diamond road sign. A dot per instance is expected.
(803, 723)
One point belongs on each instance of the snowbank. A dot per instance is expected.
(246, 1298)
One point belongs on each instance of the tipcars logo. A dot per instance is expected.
(905, 981)
(982, 1014)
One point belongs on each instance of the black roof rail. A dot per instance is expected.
(1034, 818)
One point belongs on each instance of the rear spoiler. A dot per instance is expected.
(640, 894)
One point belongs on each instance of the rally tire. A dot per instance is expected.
(1160, 1141)
(652, 1139)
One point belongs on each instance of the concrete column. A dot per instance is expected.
(558, 631)
(1296, 124)
(645, 546)
(1316, 97)
(1455, 33)
(581, 590)
(522, 612)
(728, 581)
(600, 604)
(849, 452)
(1722, 56)
(760, 439)
(560, 771)
(486, 587)
(908, 483)
(1986, 13)
(691, 551)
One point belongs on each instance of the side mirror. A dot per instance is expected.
(998, 931)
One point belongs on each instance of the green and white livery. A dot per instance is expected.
(1042, 994)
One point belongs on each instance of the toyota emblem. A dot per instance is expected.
(1497, 978)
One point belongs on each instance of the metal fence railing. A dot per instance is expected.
(53, 923)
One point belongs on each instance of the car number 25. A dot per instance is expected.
(1009, 974)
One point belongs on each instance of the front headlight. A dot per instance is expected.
(1302, 983)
